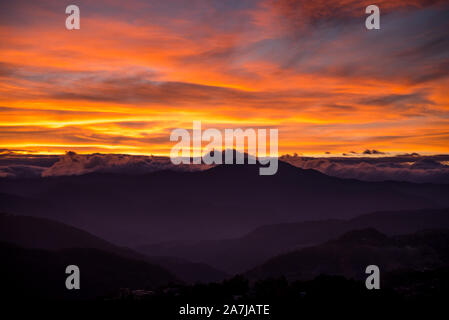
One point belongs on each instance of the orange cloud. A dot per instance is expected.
(130, 75)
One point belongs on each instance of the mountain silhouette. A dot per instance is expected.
(350, 254)
(222, 202)
(242, 253)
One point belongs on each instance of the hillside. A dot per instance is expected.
(40, 274)
(242, 253)
(351, 253)
(39, 233)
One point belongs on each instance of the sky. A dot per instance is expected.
(138, 69)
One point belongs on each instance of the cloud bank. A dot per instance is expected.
(76, 164)
(408, 167)
(411, 168)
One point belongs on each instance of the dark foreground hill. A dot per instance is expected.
(222, 202)
(350, 254)
(40, 274)
(39, 233)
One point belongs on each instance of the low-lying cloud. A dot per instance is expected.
(362, 166)
(76, 164)
(411, 168)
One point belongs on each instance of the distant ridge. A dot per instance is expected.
(351, 253)
(242, 253)
(39, 233)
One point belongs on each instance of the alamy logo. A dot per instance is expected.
(373, 20)
(73, 20)
(257, 147)
(73, 280)
(373, 280)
